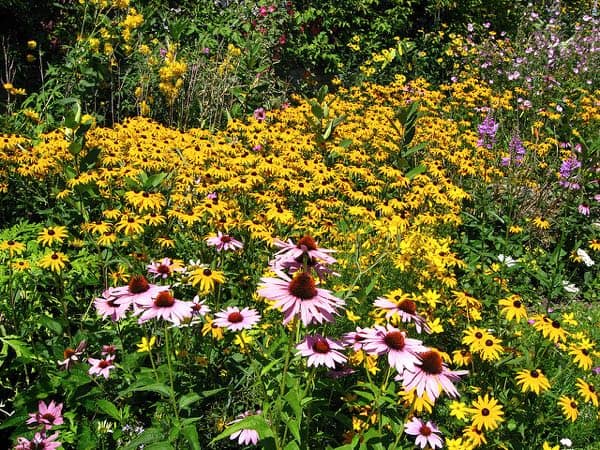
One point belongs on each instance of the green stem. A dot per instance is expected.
(168, 351)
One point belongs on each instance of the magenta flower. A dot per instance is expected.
(431, 375)
(198, 307)
(355, 339)
(321, 351)
(306, 246)
(137, 290)
(260, 114)
(164, 306)
(425, 433)
(224, 242)
(234, 320)
(584, 209)
(163, 269)
(71, 355)
(107, 306)
(245, 436)
(39, 442)
(300, 297)
(109, 350)
(47, 415)
(101, 366)
(404, 309)
(401, 351)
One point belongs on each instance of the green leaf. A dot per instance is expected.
(317, 111)
(191, 434)
(110, 409)
(51, 324)
(345, 143)
(159, 388)
(20, 348)
(256, 422)
(148, 436)
(186, 400)
(162, 445)
(416, 171)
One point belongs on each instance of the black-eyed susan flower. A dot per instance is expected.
(569, 407)
(532, 380)
(461, 357)
(581, 356)
(13, 247)
(459, 410)
(206, 278)
(20, 265)
(513, 308)
(486, 413)
(210, 327)
(55, 261)
(587, 391)
(475, 337)
(52, 235)
(474, 437)
(130, 224)
(106, 239)
(491, 349)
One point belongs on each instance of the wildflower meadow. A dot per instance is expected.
(299, 225)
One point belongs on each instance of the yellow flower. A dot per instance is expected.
(587, 391)
(13, 247)
(547, 446)
(31, 45)
(52, 235)
(569, 407)
(459, 410)
(130, 224)
(206, 278)
(146, 345)
(210, 327)
(352, 317)
(540, 223)
(435, 326)
(491, 348)
(581, 356)
(486, 413)
(20, 265)
(513, 308)
(55, 261)
(243, 340)
(532, 380)
(461, 357)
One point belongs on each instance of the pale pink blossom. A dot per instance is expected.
(321, 351)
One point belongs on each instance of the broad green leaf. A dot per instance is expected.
(416, 171)
(256, 422)
(110, 409)
(148, 436)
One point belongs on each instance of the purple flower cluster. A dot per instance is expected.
(517, 152)
(566, 175)
(487, 132)
(46, 417)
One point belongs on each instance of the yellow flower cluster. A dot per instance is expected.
(171, 76)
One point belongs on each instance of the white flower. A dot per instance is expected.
(566, 442)
(506, 260)
(585, 257)
(570, 287)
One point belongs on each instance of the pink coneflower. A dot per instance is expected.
(321, 351)
(198, 307)
(425, 433)
(164, 305)
(47, 415)
(110, 350)
(101, 366)
(260, 114)
(137, 290)
(245, 436)
(163, 269)
(39, 442)
(405, 309)
(71, 355)
(234, 320)
(306, 246)
(224, 242)
(401, 351)
(300, 296)
(431, 375)
(584, 209)
(107, 306)
(355, 339)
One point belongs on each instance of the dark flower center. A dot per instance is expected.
(479, 335)
(489, 343)
(408, 306)
(573, 405)
(235, 317)
(308, 242)
(534, 373)
(585, 352)
(485, 412)
(131, 220)
(51, 232)
(394, 340)
(54, 256)
(207, 272)
(162, 268)
(517, 304)
(138, 284)
(591, 388)
(68, 353)
(431, 362)
(164, 299)
(225, 239)
(424, 430)
(103, 364)
(49, 417)
(303, 286)
(11, 243)
(555, 324)
(321, 346)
